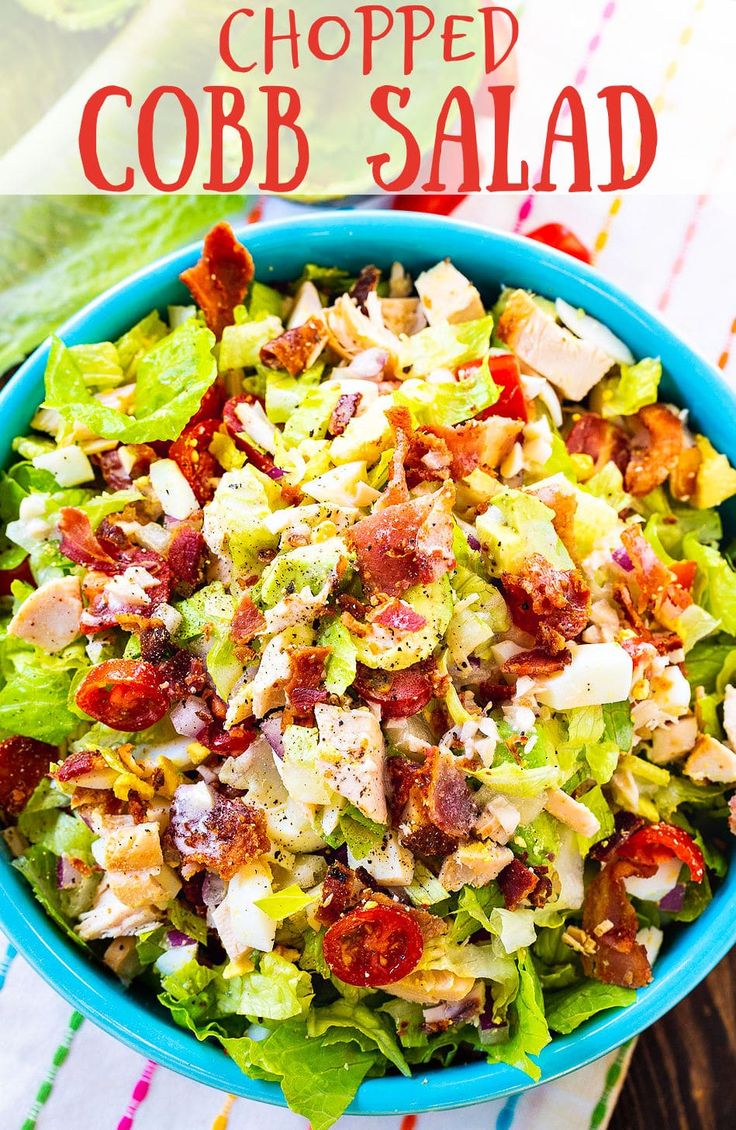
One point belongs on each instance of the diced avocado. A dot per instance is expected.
(307, 566)
(385, 650)
(515, 526)
(366, 436)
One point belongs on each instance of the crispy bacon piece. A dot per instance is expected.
(296, 349)
(400, 617)
(432, 802)
(654, 580)
(603, 441)
(536, 664)
(305, 685)
(449, 801)
(494, 693)
(400, 694)
(103, 612)
(553, 605)
(246, 624)
(78, 541)
(79, 764)
(24, 762)
(221, 839)
(186, 558)
(181, 675)
(220, 280)
(343, 412)
(401, 777)
(618, 959)
(517, 882)
(341, 891)
(475, 444)
(366, 282)
(656, 450)
(405, 545)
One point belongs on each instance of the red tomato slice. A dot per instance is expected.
(197, 464)
(440, 204)
(21, 572)
(398, 693)
(507, 375)
(124, 694)
(686, 572)
(24, 762)
(373, 946)
(211, 405)
(657, 843)
(561, 238)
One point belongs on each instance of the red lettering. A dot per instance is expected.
(577, 137)
(88, 140)
(146, 154)
(613, 97)
(449, 35)
(226, 53)
(315, 45)
(279, 119)
(457, 100)
(411, 35)
(378, 162)
(489, 22)
(220, 119)
(370, 36)
(291, 36)
(502, 96)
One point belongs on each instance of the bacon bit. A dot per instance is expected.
(684, 475)
(517, 883)
(99, 616)
(186, 558)
(305, 685)
(247, 623)
(654, 580)
(221, 840)
(343, 412)
(111, 466)
(341, 891)
(551, 604)
(400, 617)
(429, 841)
(191, 452)
(181, 675)
(536, 664)
(656, 450)
(685, 572)
(494, 693)
(449, 801)
(296, 349)
(365, 284)
(433, 801)
(603, 441)
(24, 762)
(155, 644)
(79, 765)
(220, 280)
(475, 444)
(78, 541)
(618, 958)
(401, 777)
(405, 545)
(564, 506)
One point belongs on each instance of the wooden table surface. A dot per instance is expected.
(683, 1072)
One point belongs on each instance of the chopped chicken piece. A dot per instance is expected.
(673, 741)
(49, 617)
(571, 812)
(448, 296)
(474, 864)
(354, 760)
(711, 761)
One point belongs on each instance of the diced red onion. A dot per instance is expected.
(271, 730)
(68, 874)
(367, 366)
(474, 543)
(190, 716)
(213, 891)
(622, 559)
(175, 938)
(275, 472)
(673, 900)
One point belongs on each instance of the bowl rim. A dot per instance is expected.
(91, 989)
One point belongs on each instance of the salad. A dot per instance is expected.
(369, 668)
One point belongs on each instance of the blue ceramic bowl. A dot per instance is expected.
(351, 240)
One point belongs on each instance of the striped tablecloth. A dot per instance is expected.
(675, 254)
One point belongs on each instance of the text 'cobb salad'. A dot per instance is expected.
(369, 667)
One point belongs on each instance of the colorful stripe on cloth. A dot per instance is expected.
(6, 961)
(44, 1091)
(607, 14)
(658, 106)
(138, 1095)
(726, 354)
(602, 1109)
(222, 1121)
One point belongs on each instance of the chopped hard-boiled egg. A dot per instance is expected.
(599, 673)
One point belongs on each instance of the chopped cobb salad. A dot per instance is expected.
(369, 668)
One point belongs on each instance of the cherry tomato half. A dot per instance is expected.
(21, 572)
(657, 843)
(686, 572)
(23, 764)
(507, 375)
(124, 694)
(561, 238)
(196, 463)
(373, 946)
(399, 693)
(211, 405)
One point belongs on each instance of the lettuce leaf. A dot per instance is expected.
(357, 1017)
(172, 378)
(637, 386)
(33, 701)
(715, 587)
(38, 867)
(449, 402)
(277, 990)
(529, 1032)
(342, 663)
(569, 1008)
(59, 252)
(445, 346)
